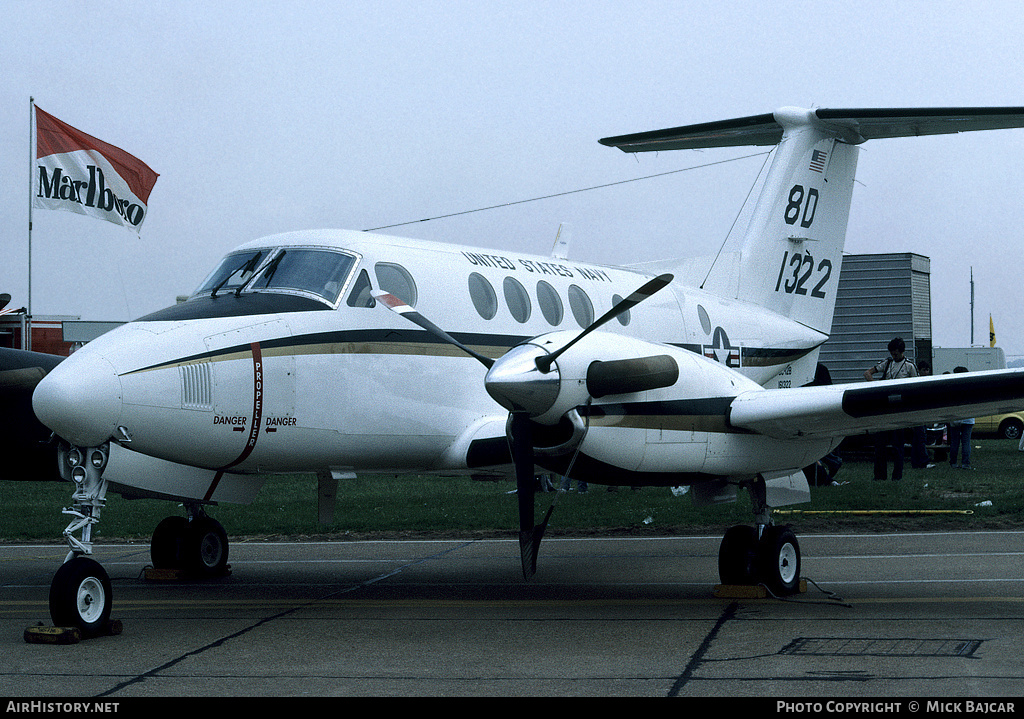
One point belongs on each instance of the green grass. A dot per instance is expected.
(378, 505)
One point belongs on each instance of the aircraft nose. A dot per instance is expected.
(80, 400)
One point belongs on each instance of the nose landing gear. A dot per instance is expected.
(80, 594)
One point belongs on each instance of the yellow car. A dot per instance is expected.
(1008, 425)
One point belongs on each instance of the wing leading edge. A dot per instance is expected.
(845, 409)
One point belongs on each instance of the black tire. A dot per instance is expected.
(779, 560)
(80, 596)
(165, 547)
(205, 548)
(737, 555)
(1010, 429)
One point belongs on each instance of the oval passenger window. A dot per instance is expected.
(484, 298)
(550, 303)
(517, 299)
(581, 306)
(624, 317)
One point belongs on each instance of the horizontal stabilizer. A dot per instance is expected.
(754, 130)
(845, 409)
(850, 125)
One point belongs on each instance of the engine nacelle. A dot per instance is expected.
(634, 408)
(603, 365)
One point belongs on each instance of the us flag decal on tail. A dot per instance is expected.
(818, 158)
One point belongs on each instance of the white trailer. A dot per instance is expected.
(945, 359)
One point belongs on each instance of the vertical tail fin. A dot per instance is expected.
(793, 248)
(792, 251)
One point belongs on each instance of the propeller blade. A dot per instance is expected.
(648, 289)
(522, 458)
(398, 306)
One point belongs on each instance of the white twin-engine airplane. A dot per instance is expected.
(318, 352)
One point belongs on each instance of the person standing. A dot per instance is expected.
(896, 366)
(960, 431)
(919, 458)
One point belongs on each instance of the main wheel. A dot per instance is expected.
(205, 547)
(165, 547)
(779, 560)
(80, 596)
(737, 555)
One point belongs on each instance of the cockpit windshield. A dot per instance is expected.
(233, 271)
(302, 270)
(320, 272)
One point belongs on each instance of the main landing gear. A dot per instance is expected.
(80, 593)
(766, 554)
(197, 546)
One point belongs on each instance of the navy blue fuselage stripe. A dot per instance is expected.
(390, 336)
(704, 406)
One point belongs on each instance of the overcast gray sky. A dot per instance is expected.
(274, 116)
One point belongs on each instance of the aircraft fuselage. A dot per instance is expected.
(283, 379)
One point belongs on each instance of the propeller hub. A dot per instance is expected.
(517, 385)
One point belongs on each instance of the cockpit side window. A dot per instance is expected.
(360, 294)
(320, 272)
(233, 271)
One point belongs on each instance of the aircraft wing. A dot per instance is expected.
(845, 409)
(856, 125)
(22, 436)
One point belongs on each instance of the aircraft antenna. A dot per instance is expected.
(563, 194)
(736, 219)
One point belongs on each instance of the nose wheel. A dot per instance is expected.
(80, 596)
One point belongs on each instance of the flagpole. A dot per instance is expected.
(972, 306)
(26, 338)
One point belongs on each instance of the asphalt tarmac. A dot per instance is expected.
(900, 615)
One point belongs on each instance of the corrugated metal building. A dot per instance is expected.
(879, 297)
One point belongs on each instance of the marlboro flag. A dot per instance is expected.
(76, 172)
